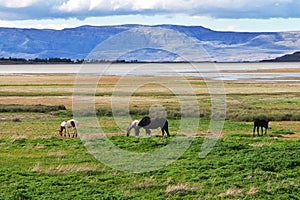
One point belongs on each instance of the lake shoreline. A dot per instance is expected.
(208, 71)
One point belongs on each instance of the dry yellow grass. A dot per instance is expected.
(234, 192)
(179, 189)
(143, 91)
(45, 100)
(62, 169)
(37, 79)
(146, 89)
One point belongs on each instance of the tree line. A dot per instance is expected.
(11, 60)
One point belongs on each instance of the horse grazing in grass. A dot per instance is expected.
(260, 123)
(65, 125)
(133, 125)
(147, 123)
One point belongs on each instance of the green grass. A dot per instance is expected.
(35, 94)
(271, 106)
(63, 169)
(37, 164)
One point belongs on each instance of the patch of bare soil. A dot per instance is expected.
(291, 136)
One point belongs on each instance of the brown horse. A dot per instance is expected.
(147, 123)
(260, 123)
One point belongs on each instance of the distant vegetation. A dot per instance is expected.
(10, 60)
(30, 108)
(295, 57)
(37, 61)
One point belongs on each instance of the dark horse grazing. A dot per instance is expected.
(262, 124)
(147, 123)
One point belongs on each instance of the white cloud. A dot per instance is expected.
(6, 24)
(75, 5)
(81, 9)
(17, 3)
(179, 5)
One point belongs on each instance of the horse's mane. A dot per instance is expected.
(145, 121)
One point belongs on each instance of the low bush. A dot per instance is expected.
(39, 108)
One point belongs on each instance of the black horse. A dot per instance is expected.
(262, 124)
(147, 123)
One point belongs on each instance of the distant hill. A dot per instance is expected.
(295, 57)
(77, 43)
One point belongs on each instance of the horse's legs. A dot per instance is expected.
(266, 131)
(75, 132)
(262, 131)
(136, 131)
(165, 128)
(67, 130)
(254, 130)
(163, 131)
(257, 130)
(148, 132)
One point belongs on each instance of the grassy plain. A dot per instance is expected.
(35, 163)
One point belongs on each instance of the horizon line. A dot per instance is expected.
(146, 25)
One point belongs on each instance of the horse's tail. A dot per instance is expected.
(166, 127)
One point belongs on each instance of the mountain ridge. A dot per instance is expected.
(77, 43)
(294, 57)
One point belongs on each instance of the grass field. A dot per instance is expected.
(35, 163)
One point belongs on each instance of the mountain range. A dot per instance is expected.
(295, 57)
(147, 43)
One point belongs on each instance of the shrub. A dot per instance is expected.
(39, 108)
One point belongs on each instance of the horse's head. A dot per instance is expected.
(132, 125)
(128, 131)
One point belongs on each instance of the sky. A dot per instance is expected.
(221, 15)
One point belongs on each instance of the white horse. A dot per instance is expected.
(65, 125)
(133, 125)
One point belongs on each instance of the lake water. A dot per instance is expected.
(217, 71)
